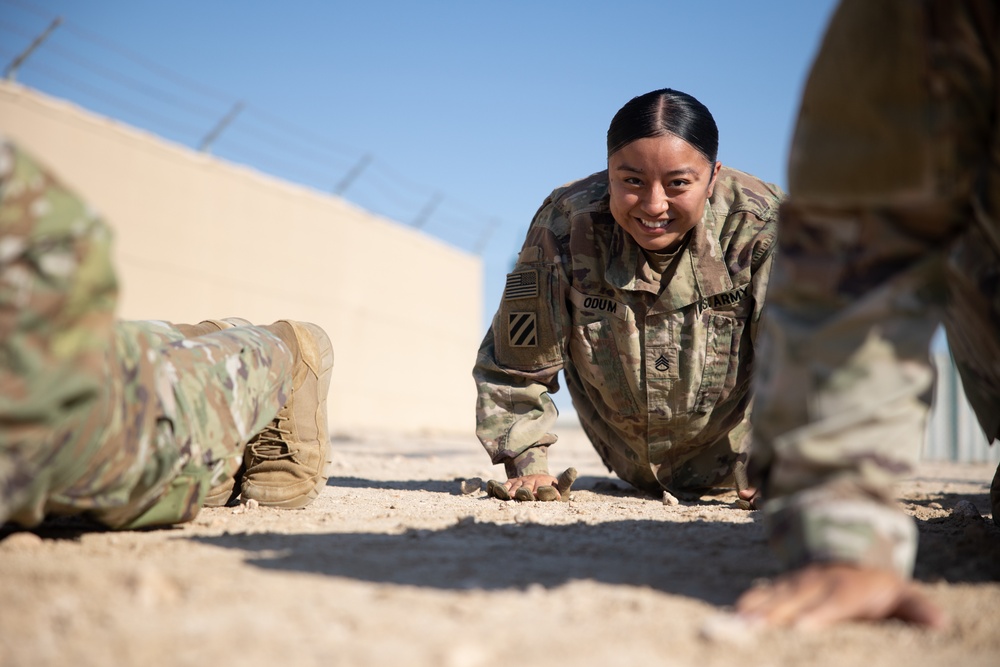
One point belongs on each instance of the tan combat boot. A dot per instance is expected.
(285, 464)
(228, 489)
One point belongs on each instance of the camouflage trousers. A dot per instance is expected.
(211, 395)
(128, 422)
(892, 226)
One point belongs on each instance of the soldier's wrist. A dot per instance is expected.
(532, 461)
(808, 528)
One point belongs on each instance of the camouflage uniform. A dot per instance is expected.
(126, 421)
(893, 224)
(656, 355)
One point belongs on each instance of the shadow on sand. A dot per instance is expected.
(706, 560)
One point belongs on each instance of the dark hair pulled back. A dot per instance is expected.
(661, 112)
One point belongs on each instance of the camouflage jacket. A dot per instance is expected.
(658, 366)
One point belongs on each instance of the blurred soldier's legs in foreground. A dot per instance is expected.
(132, 422)
(893, 223)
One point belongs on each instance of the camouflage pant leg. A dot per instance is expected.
(213, 394)
(894, 152)
(125, 421)
(57, 300)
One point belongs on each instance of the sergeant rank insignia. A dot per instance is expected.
(522, 329)
(662, 363)
(521, 285)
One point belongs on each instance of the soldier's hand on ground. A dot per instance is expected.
(749, 499)
(512, 487)
(824, 594)
(532, 487)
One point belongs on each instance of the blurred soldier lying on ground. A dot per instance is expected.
(892, 226)
(137, 423)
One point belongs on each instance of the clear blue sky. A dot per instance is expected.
(480, 108)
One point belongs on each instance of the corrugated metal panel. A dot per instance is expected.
(953, 432)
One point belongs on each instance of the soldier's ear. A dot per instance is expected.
(715, 175)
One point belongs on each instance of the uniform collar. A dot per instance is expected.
(701, 270)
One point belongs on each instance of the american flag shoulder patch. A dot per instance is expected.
(521, 285)
(522, 329)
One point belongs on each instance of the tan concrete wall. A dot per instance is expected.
(197, 237)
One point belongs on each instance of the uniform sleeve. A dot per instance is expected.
(521, 356)
(839, 386)
(762, 263)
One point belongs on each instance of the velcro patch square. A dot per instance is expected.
(522, 329)
(521, 285)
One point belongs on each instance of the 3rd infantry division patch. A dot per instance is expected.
(522, 329)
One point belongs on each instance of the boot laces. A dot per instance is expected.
(271, 443)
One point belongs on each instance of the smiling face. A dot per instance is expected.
(659, 186)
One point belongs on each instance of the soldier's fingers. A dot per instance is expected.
(753, 599)
(790, 604)
(748, 499)
(565, 482)
(867, 594)
(778, 603)
(917, 609)
(546, 493)
(497, 490)
(523, 494)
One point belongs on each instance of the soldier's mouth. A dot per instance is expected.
(653, 224)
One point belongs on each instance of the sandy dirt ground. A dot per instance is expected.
(394, 565)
